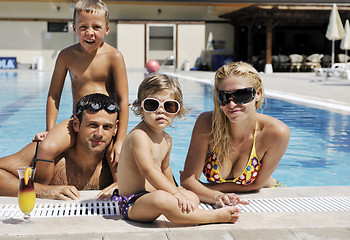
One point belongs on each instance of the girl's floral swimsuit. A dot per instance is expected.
(248, 176)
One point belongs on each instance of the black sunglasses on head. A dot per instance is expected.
(108, 106)
(240, 96)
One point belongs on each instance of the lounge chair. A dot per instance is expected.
(296, 62)
(314, 61)
(343, 58)
(341, 70)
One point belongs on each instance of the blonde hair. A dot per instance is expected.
(156, 83)
(90, 6)
(220, 124)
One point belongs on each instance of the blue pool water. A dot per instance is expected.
(317, 155)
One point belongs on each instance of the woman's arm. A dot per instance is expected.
(195, 160)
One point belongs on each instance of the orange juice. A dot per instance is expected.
(26, 196)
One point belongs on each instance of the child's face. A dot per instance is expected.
(91, 28)
(159, 119)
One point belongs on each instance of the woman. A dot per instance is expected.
(235, 147)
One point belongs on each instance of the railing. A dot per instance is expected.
(166, 60)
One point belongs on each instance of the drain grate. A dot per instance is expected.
(96, 208)
(324, 204)
(110, 208)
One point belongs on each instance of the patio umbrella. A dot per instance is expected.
(335, 30)
(345, 42)
(210, 46)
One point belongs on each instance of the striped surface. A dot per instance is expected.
(104, 208)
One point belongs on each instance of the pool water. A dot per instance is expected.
(317, 155)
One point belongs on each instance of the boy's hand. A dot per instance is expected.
(115, 152)
(184, 203)
(39, 137)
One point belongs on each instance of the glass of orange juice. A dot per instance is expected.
(26, 193)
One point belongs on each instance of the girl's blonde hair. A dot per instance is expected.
(91, 6)
(156, 83)
(220, 124)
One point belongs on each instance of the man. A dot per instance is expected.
(83, 166)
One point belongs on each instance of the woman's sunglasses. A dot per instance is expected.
(151, 105)
(240, 96)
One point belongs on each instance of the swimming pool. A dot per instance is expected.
(317, 155)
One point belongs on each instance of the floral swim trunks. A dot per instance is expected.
(125, 202)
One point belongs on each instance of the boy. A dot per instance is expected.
(145, 181)
(94, 67)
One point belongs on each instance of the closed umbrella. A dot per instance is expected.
(335, 30)
(345, 42)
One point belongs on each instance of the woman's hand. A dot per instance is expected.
(229, 199)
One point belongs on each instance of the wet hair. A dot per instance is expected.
(220, 124)
(156, 83)
(96, 99)
(91, 6)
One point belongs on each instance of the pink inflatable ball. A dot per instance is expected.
(152, 66)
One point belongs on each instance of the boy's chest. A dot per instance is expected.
(93, 68)
(94, 72)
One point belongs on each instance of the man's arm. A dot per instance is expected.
(8, 169)
(59, 192)
(9, 181)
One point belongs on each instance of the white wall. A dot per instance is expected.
(29, 38)
(131, 42)
(191, 43)
(222, 31)
(26, 40)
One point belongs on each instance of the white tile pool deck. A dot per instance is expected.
(333, 93)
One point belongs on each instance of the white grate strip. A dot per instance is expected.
(321, 204)
(97, 208)
(110, 208)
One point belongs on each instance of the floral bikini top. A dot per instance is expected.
(248, 176)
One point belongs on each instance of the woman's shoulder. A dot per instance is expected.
(205, 119)
(273, 126)
(205, 116)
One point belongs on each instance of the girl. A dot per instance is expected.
(145, 180)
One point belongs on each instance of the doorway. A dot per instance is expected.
(161, 44)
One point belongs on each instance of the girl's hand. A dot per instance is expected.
(106, 193)
(184, 203)
(229, 199)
